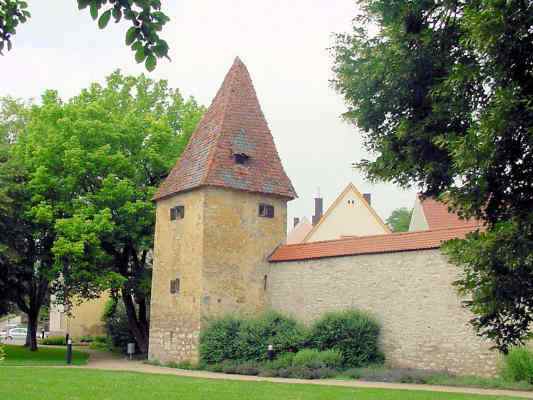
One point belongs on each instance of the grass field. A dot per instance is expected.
(81, 384)
(19, 355)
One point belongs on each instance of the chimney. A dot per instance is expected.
(296, 221)
(368, 198)
(319, 208)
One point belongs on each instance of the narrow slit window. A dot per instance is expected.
(266, 211)
(175, 286)
(177, 212)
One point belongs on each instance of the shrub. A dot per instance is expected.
(304, 373)
(284, 360)
(86, 339)
(311, 358)
(378, 373)
(54, 341)
(219, 341)
(2, 353)
(247, 368)
(116, 324)
(284, 333)
(354, 333)
(518, 365)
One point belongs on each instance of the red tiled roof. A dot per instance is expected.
(233, 124)
(388, 243)
(438, 216)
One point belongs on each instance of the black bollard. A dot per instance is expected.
(69, 352)
(270, 352)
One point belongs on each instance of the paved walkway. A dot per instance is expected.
(106, 361)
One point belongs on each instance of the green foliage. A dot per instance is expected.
(400, 219)
(2, 353)
(232, 338)
(54, 341)
(271, 328)
(442, 94)
(91, 166)
(311, 358)
(116, 324)
(518, 365)
(284, 360)
(146, 19)
(219, 341)
(353, 333)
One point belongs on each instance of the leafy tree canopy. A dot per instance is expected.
(399, 220)
(93, 164)
(145, 16)
(443, 95)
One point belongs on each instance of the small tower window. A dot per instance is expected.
(175, 286)
(266, 210)
(177, 212)
(241, 158)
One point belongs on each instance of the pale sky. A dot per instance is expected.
(284, 45)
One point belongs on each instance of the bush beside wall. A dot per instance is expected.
(337, 340)
(355, 334)
(518, 365)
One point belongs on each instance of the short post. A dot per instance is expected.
(42, 333)
(270, 352)
(69, 351)
(131, 350)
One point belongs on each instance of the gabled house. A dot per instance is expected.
(430, 214)
(351, 214)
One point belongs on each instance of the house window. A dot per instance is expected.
(241, 158)
(265, 282)
(175, 286)
(266, 211)
(177, 212)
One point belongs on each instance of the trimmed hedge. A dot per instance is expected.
(54, 341)
(353, 333)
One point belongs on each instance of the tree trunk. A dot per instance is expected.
(31, 337)
(138, 326)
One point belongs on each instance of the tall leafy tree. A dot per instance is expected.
(94, 163)
(399, 219)
(26, 264)
(145, 17)
(442, 92)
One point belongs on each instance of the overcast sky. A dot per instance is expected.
(283, 43)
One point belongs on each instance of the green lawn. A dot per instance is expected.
(20, 383)
(19, 355)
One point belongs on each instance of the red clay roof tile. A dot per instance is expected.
(439, 217)
(387, 243)
(233, 124)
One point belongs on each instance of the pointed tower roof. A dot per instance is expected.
(232, 146)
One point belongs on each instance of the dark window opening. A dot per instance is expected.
(175, 286)
(265, 282)
(241, 158)
(177, 212)
(266, 211)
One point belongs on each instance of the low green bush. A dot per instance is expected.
(285, 334)
(86, 339)
(239, 339)
(284, 360)
(378, 373)
(54, 341)
(220, 340)
(518, 365)
(298, 372)
(355, 334)
(312, 358)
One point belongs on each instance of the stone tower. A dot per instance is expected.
(219, 214)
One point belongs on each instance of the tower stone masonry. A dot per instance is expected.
(219, 215)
